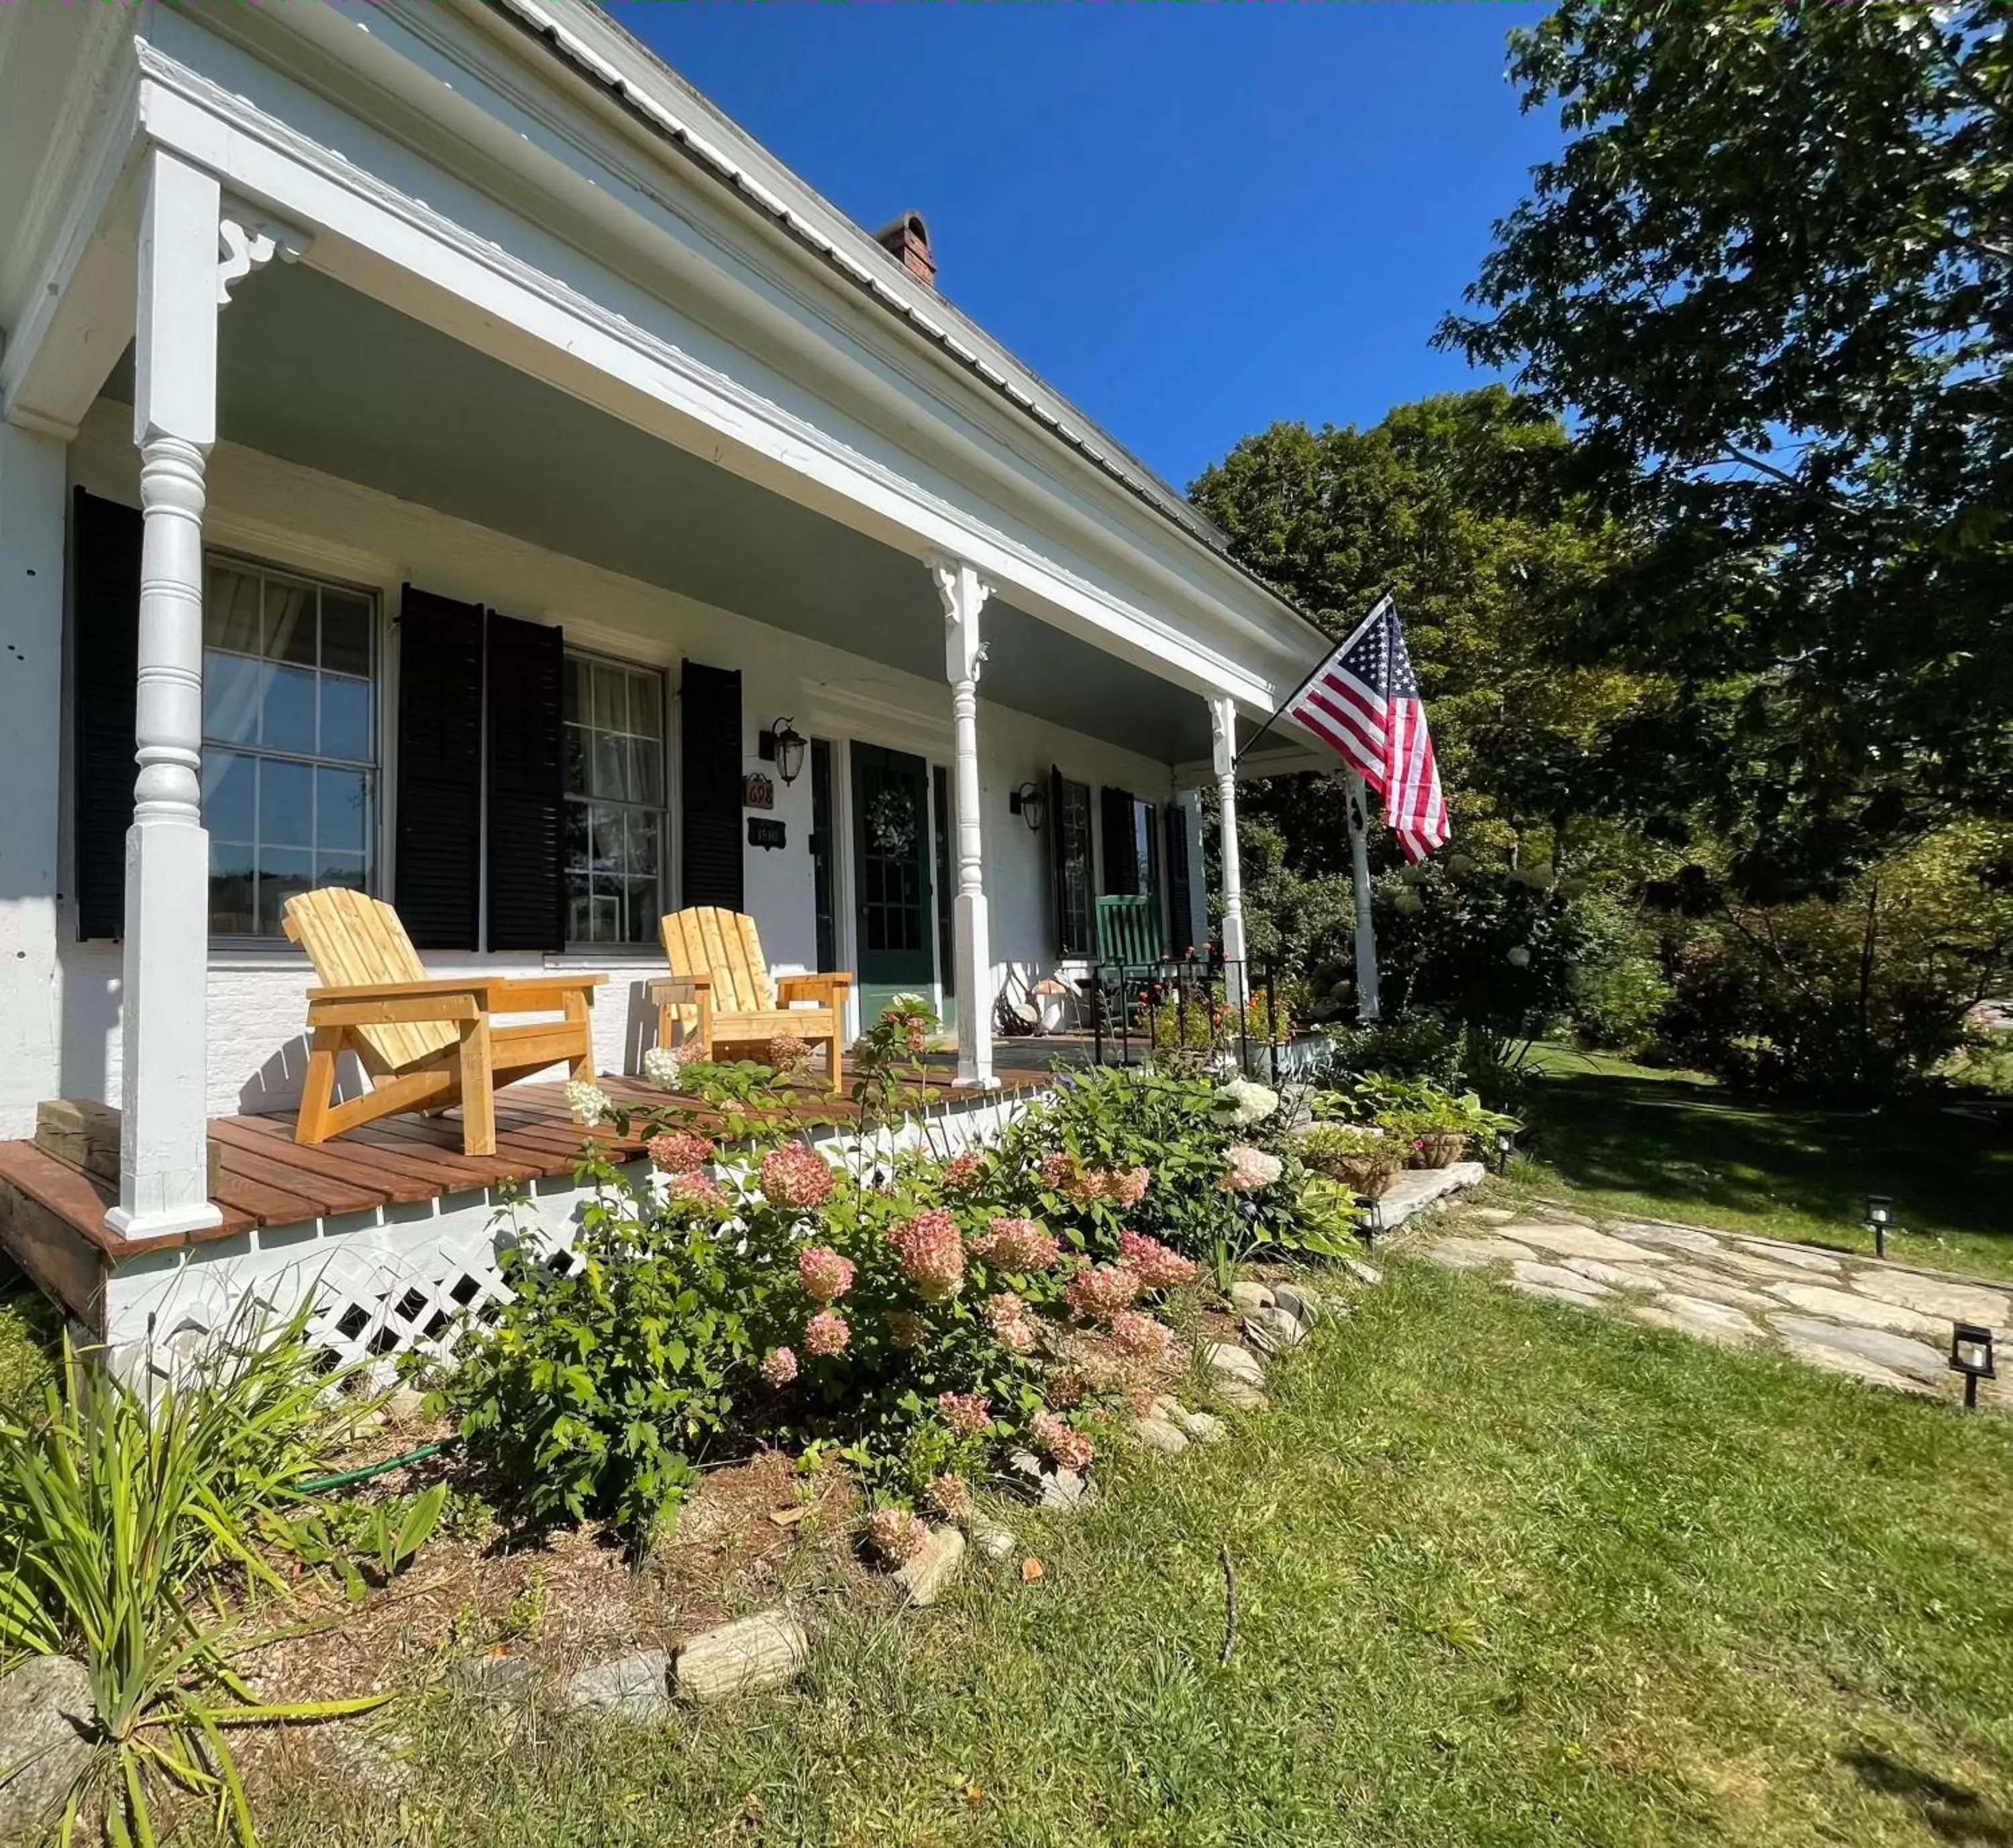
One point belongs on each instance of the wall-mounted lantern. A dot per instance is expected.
(783, 745)
(1030, 801)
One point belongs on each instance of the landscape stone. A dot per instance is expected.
(1363, 1273)
(935, 1567)
(1417, 1188)
(1250, 1298)
(501, 1680)
(1620, 1277)
(1895, 1351)
(1161, 1435)
(631, 1688)
(1238, 1363)
(404, 1405)
(1837, 1360)
(1239, 1394)
(1714, 1286)
(1562, 1240)
(1064, 1491)
(1555, 1277)
(1203, 1428)
(992, 1540)
(1694, 1315)
(46, 1719)
(1671, 1238)
(1303, 1305)
(1935, 1295)
(1477, 1254)
(1273, 1330)
(1748, 1264)
(1797, 1257)
(742, 1657)
(1552, 1293)
(1863, 1312)
(1492, 1215)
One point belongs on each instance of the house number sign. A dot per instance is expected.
(757, 791)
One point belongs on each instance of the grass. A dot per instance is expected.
(1507, 1575)
(1630, 1141)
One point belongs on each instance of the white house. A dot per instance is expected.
(440, 452)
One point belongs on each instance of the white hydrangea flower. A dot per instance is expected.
(589, 1104)
(661, 1067)
(1243, 1102)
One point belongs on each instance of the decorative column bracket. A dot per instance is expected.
(964, 593)
(246, 241)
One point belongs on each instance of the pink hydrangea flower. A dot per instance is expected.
(932, 1254)
(1247, 1170)
(1012, 1327)
(1159, 1268)
(1070, 1387)
(1138, 1337)
(779, 1366)
(680, 1151)
(1056, 1168)
(824, 1275)
(963, 1170)
(1129, 1189)
(1098, 1294)
(827, 1332)
(907, 1329)
(1066, 1446)
(695, 1188)
(1016, 1245)
(950, 1495)
(795, 1175)
(965, 1412)
(897, 1534)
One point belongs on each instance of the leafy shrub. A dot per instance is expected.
(30, 1332)
(1206, 1021)
(1363, 1158)
(1617, 991)
(1415, 1045)
(116, 1512)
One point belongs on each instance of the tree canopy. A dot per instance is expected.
(1771, 276)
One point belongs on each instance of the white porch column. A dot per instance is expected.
(964, 592)
(163, 1166)
(1223, 751)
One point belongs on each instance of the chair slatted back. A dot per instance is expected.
(354, 940)
(726, 945)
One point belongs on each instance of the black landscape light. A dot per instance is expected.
(1506, 1147)
(1879, 1216)
(1971, 1355)
(1373, 1224)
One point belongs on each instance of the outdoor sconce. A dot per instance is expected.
(1971, 1355)
(783, 745)
(1506, 1147)
(1879, 1216)
(1030, 804)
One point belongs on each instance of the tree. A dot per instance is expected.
(1772, 277)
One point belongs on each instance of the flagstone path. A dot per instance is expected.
(1882, 1322)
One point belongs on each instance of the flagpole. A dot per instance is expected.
(1376, 610)
(1369, 1007)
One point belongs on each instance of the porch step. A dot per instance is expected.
(46, 1206)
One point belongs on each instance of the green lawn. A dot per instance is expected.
(1632, 1140)
(1508, 1575)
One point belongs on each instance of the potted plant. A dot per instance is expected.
(1364, 1159)
(1441, 1128)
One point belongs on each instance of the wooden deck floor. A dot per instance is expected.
(262, 1178)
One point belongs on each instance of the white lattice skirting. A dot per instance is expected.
(394, 1282)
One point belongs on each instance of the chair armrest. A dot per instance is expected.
(385, 1004)
(831, 987)
(530, 994)
(393, 991)
(680, 988)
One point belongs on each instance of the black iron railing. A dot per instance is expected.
(1186, 1007)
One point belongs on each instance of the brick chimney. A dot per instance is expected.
(908, 239)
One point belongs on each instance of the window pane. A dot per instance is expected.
(346, 633)
(611, 706)
(646, 769)
(643, 832)
(345, 718)
(283, 872)
(576, 835)
(290, 622)
(233, 688)
(580, 910)
(230, 887)
(286, 804)
(577, 783)
(569, 678)
(646, 705)
(342, 810)
(641, 924)
(611, 767)
(290, 711)
(610, 836)
(229, 795)
(231, 611)
(340, 869)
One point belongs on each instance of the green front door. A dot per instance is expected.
(891, 858)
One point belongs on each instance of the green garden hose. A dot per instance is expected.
(315, 1485)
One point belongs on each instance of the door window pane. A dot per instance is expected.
(289, 773)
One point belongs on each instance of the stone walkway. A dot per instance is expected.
(1879, 1322)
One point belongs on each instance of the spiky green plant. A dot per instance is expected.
(126, 1524)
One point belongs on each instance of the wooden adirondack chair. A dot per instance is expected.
(426, 1042)
(720, 993)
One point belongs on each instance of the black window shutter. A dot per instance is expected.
(439, 843)
(526, 667)
(1069, 811)
(1180, 926)
(1121, 849)
(709, 786)
(105, 553)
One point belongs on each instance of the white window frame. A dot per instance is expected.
(664, 810)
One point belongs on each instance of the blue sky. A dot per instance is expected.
(1192, 220)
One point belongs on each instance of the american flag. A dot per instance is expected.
(1363, 701)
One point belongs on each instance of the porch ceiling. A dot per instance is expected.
(319, 375)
